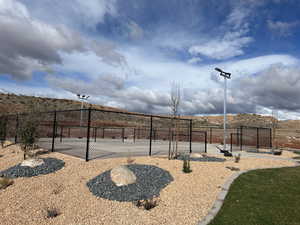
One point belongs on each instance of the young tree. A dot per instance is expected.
(28, 129)
(175, 99)
(3, 123)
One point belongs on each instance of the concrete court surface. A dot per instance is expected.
(107, 148)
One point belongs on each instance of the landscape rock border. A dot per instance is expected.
(150, 181)
(50, 165)
(224, 191)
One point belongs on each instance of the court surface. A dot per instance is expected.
(108, 148)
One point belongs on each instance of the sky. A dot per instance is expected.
(127, 54)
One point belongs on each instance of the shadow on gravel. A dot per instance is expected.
(204, 159)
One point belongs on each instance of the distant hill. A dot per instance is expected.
(12, 103)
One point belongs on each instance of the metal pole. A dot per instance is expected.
(231, 142)
(123, 134)
(133, 135)
(257, 138)
(17, 127)
(103, 132)
(69, 132)
(191, 131)
(81, 113)
(95, 132)
(53, 131)
(225, 101)
(205, 142)
(150, 144)
(210, 135)
(271, 145)
(241, 139)
(169, 156)
(61, 133)
(88, 136)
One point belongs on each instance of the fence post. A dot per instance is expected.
(88, 136)
(53, 131)
(271, 145)
(123, 134)
(61, 133)
(103, 130)
(205, 135)
(69, 132)
(169, 144)
(191, 132)
(231, 142)
(95, 132)
(210, 135)
(257, 138)
(150, 143)
(133, 135)
(17, 127)
(241, 139)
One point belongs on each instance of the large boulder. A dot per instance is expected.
(33, 162)
(121, 176)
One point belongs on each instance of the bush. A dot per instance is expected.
(5, 182)
(186, 165)
(237, 158)
(52, 212)
(147, 204)
(27, 133)
(3, 123)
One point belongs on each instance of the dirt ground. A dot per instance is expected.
(184, 201)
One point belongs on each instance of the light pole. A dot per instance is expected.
(82, 98)
(226, 76)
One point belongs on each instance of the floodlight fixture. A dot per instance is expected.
(223, 73)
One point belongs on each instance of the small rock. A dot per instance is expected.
(196, 155)
(32, 162)
(121, 176)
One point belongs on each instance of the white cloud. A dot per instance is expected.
(282, 28)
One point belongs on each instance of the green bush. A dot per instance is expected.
(27, 133)
(186, 165)
(3, 123)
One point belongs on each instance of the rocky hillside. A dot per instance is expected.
(11, 103)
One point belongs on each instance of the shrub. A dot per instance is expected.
(237, 158)
(147, 204)
(3, 123)
(28, 133)
(52, 212)
(186, 165)
(5, 182)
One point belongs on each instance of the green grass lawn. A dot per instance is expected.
(263, 197)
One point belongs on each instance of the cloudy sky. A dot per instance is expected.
(127, 53)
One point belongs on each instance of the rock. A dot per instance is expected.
(196, 155)
(121, 176)
(32, 162)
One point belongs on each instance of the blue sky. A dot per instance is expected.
(127, 53)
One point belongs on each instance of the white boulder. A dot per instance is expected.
(32, 162)
(122, 175)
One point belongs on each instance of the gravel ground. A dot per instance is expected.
(150, 180)
(185, 200)
(50, 165)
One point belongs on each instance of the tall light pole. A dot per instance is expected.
(226, 76)
(82, 98)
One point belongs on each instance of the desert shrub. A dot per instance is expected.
(237, 158)
(186, 165)
(3, 123)
(52, 212)
(5, 182)
(28, 131)
(147, 204)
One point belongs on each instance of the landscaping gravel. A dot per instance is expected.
(204, 159)
(150, 181)
(50, 165)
